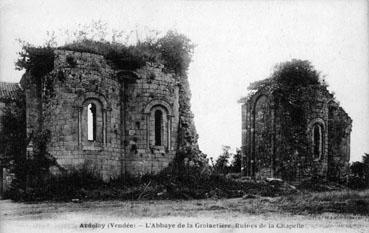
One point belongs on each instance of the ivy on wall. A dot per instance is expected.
(296, 88)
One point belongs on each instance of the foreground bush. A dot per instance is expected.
(188, 176)
(57, 187)
(320, 184)
(82, 185)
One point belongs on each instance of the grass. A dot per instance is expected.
(305, 204)
(296, 204)
(343, 201)
(259, 197)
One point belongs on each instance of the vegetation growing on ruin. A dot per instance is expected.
(173, 50)
(13, 138)
(38, 61)
(295, 86)
(286, 75)
(13, 142)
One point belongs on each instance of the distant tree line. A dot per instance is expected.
(228, 162)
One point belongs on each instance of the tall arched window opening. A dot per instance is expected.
(317, 141)
(158, 127)
(91, 122)
(158, 121)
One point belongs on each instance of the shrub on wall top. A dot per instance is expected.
(173, 50)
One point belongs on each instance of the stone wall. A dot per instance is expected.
(188, 136)
(339, 129)
(125, 103)
(281, 143)
(153, 90)
(78, 79)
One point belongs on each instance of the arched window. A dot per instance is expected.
(158, 124)
(261, 139)
(317, 141)
(158, 127)
(91, 122)
(93, 110)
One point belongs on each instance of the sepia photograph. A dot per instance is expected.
(184, 116)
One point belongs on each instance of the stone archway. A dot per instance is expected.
(261, 143)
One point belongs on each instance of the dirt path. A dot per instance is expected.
(227, 215)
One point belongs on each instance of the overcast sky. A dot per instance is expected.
(238, 42)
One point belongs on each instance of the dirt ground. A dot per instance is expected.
(224, 215)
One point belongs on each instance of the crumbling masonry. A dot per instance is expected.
(266, 147)
(113, 121)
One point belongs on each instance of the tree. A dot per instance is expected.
(358, 169)
(236, 162)
(366, 159)
(222, 162)
(360, 173)
(13, 137)
(176, 51)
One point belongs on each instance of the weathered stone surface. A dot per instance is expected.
(267, 152)
(125, 103)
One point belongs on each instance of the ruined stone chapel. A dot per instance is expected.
(114, 121)
(294, 128)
